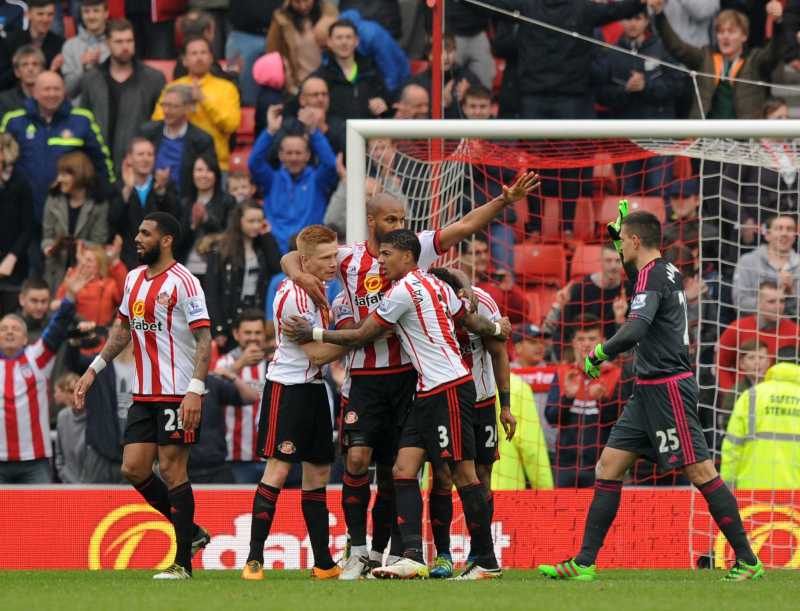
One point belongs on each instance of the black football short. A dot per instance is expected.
(484, 423)
(660, 422)
(295, 423)
(376, 409)
(441, 424)
(157, 422)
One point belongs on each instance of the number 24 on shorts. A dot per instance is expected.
(668, 440)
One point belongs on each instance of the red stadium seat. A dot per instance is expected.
(69, 27)
(534, 308)
(546, 296)
(247, 126)
(610, 204)
(238, 160)
(418, 66)
(540, 263)
(583, 228)
(551, 219)
(521, 208)
(604, 176)
(164, 66)
(682, 168)
(500, 66)
(585, 260)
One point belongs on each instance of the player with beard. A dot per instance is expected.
(383, 377)
(163, 311)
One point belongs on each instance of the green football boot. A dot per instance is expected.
(741, 571)
(569, 569)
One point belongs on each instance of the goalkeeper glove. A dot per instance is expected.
(591, 365)
(615, 226)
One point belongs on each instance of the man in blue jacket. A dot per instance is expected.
(49, 127)
(296, 194)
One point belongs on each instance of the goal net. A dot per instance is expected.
(716, 187)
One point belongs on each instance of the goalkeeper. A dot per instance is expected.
(660, 419)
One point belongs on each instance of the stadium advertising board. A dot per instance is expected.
(111, 528)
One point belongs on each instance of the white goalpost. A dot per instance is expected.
(443, 168)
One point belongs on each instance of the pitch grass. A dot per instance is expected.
(294, 591)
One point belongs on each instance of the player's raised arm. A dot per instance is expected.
(297, 329)
(118, 338)
(481, 216)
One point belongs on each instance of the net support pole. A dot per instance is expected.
(437, 34)
(356, 189)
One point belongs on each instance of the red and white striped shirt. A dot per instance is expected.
(25, 408)
(474, 352)
(341, 314)
(290, 365)
(162, 312)
(422, 309)
(241, 421)
(365, 285)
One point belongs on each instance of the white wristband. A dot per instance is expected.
(316, 334)
(196, 386)
(498, 330)
(98, 364)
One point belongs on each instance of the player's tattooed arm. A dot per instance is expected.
(119, 337)
(202, 352)
(481, 216)
(297, 329)
(484, 327)
(290, 264)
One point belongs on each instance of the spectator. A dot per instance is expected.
(296, 194)
(634, 88)
(582, 409)
(414, 103)
(40, 18)
(250, 20)
(776, 261)
(205, 211)
(207, 462)
(89, 48)
(384, 12)
(13, 16)
(768, 325)
(692, 20)
(761, 449)
(356, 88)
(100, 297)
(554, 70)
(49, 127)
(154, 40)
(201, 24)
(314, 104)
(217, 109)
(34, 307)
(106, 405)
(70, 431)
(28, 62)
(295, 32)
(457, 79)
(269, 73)
(684, 226)
(377, 44)
(177, 142)
(509, 297)
(719, 99)
(469, 24)
(240, 265)
(248, 361)
(141, 193)
(71, 214)
(753, 361)
(240, 186)
(25, 449)
(16, 225)
(601, 294)
(505, 46)
(523, 461)
(122, 91)
(531, 346)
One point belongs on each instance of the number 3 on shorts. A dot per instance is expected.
(668, 441)
(444, 440)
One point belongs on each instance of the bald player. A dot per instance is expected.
(383, 380)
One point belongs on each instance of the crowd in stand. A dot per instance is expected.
(232, 118)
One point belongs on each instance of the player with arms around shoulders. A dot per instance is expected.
(295, 422)
(163, 311)
(660, 419)
(487, 357)
(421, 310)
(381, 372)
